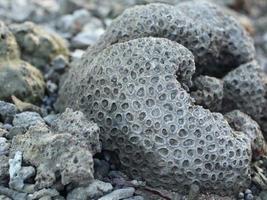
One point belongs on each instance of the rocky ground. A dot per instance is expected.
(53, 141)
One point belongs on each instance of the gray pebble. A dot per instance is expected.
(7, 112)
(119, 194)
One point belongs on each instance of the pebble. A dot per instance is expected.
(4, 146)
(50, 118)
(89, 34)
(7, 111)
(51, 87)
(27, 119)
(119, 194)
(59, 64)
(7, 127)
(77, 54)
(135, 198)
(93, 191)
(73, 24)
(101, 168)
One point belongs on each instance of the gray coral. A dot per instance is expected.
(135, 91)
(217, 40)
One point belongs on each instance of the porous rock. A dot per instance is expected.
(54, 154)
(218, 42)
(76, 124)
(38, 46)
(94, 190)
(135, 92)
(208, 92)
(17, 77)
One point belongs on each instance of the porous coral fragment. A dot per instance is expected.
(54, 154)
(135, 91)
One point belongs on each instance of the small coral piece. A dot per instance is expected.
(76, 124)
(53, 154)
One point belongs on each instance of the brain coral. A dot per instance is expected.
(217, 40)
(135, 92)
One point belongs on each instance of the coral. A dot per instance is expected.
(38, 46)
(208, 92)
(135, 92)
(54, 155)
(76, 124)
(245, 89)
(17, 77)
(240, 121)
(218, 42)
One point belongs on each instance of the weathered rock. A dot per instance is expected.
(7, 112)
(119, 194)
(94, 190)
(135, 92)
(54, 154)
(76, 124)
(39, 46)
(27, 119)
(17, 77)
(239, 121)
(19, 174)
(208, 92)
